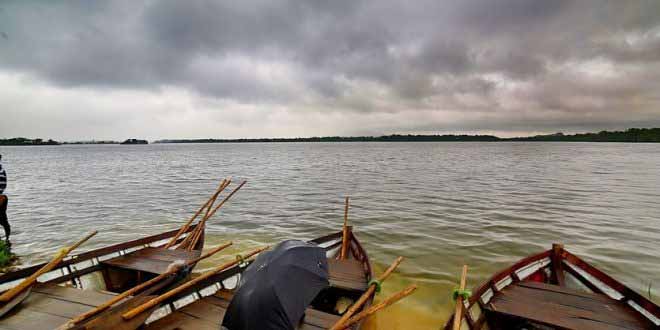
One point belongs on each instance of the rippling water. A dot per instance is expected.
(440, 205)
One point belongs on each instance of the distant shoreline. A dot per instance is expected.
(632, 135)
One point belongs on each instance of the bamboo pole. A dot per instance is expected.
(365, 296)
(28, 282)
(189, 222)
(385, 303)
(200, 226)
(138, 288)
(156, 301)
(344, 240)
(458, 317)
(215, 197)
(186, 244)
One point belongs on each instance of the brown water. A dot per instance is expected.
(440, 205)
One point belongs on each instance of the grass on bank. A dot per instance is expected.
(7, 258)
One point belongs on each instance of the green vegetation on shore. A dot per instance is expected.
(384, 138)
(7, 258)
(630, 135)
(27, 142)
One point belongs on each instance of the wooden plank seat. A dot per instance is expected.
(150, 259)
(207, 313)
(347, 274)
(50, 305)
(556, 306)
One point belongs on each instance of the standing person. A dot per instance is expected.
(3, 202)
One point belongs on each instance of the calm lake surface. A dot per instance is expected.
(440, 205)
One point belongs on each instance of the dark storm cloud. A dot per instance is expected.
(543, 63)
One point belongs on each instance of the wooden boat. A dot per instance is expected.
(556, 290)
(68, 290)
(203, 305)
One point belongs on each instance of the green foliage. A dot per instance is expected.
(630, 135)
(6, 257)
(27, 142)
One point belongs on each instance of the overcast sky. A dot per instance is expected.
(74, 70)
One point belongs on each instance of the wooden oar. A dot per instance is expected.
(185, 227)
(200, 226)
(28, 282)
(158, 300)
(458, 317)
(389, 301)
(365, 296)
(137, 288)
(344, 240)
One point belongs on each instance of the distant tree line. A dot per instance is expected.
(630, 135)
(27, 142)
(92, 142)
(384, 138)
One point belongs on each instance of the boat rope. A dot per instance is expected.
(377, 283)
(461, 293)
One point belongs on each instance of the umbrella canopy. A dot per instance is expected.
(277, 287)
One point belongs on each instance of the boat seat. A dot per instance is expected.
(347, 274)
(557, 306)
(150, 259)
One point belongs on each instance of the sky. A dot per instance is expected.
(82, 70)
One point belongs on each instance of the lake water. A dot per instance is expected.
(440, 205)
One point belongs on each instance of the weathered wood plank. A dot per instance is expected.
(347, 274)
(319, 319)
(91, 298)
(27, 319)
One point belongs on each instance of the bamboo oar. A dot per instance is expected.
(156, 301)
(344, 240)
(186, 244)
(458, 317)
(187, 224)
(28, 282)
(385, 303)
(138, 288)
(215, 197)
(365, 296)
(200, 226)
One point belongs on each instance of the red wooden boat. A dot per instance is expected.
(556, 290)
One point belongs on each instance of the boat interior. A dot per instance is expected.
(87, 280)
(556, 290)
(204, 306)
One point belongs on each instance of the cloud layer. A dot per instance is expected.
(176, 69)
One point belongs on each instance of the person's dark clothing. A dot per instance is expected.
(3, 216)
(3, 179)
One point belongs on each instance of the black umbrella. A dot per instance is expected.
(277, 287)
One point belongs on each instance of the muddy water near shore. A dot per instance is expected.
(440, 205)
